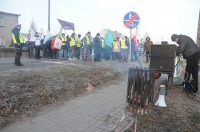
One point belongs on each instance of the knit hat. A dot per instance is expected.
(148, 37)
(88, 32)
(18, 25)
(174, 37)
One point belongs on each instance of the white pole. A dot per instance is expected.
(130, 46)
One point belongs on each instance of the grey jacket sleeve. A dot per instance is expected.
(182, 45)
(84, 40)
(187, 46)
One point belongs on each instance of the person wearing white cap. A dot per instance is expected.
(18, 41)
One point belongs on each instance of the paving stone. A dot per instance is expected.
(94, 112)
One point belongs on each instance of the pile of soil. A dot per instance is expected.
(25, 92)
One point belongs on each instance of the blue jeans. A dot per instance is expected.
(67, 50)
(78, 52)
(63, 54)
(86, 52)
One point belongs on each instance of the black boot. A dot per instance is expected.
(20, 64)
(15, 61)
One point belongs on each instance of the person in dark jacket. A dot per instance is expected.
(147, 47)
(18, 41)
(97, 47)
(191, 53)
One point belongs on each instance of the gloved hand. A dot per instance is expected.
(18, 43)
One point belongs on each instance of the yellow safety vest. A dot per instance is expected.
(102, 44)
(116, 46)
(78, 43)
(72, 42)
(87, 39)
(21, 39)
(64, 39)
(123, 44)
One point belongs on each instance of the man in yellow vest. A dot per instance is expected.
(124, 49)
(18, 41)
(72, 43)
(116, 49)
(78, 47)
(86, 47)
(63, 52)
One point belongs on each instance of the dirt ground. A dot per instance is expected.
(182, 113)
(23, 93)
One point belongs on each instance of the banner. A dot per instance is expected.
(66, 25)
(57, 43)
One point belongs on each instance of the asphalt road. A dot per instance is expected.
(7, 64)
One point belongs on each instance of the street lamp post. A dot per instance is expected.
(49, 15)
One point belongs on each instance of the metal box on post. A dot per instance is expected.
(162, 58)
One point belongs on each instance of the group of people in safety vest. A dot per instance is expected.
(73, 47)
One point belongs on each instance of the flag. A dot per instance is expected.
(31, 34)
(66, 25)
(109, 37)
(59, 34)
(137, 35)
(47, 37)
(136, 40)
(144, 38)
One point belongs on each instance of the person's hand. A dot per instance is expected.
(18, 43)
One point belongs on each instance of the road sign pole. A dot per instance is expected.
(130, 46)
(131, 20)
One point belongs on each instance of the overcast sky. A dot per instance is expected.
(159, 18)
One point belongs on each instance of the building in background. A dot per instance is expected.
(7, 22)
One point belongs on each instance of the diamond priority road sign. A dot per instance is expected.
(131, 20)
